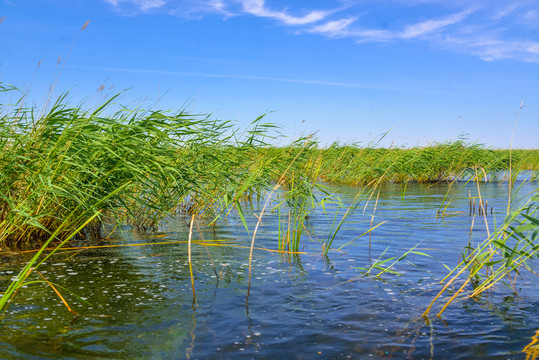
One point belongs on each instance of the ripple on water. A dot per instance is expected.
(137, 302)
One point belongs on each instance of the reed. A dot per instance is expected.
(355, 165)
(523, 159)
(499, 258)
(70, 159)
(65, 170)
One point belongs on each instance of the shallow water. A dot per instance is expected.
(300, 306)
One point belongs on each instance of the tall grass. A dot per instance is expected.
(523, 159)
(355, 165)
(70, 159)
(144, 163)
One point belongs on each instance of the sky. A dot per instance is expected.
(422, 71)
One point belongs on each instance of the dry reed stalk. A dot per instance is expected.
(426, 312)
(532, 349)
(461, 289)
(58, 294)
(277, 185)
(189, 257)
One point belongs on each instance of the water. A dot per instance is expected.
(300, 306)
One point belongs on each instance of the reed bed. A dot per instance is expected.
(66, 170)
(356, 165)
(456, 160)
(522, 159)
(137, 166)
(130, 167)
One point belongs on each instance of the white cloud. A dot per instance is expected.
(372, 35)
(218, 5)
(533, 48)
(187, 8)
(425, 27)
(143, 5)
(491, 48)
(258, 8)
(341, 28)
(500, 13)
(531, 15)
(335, 28)
(496, 30)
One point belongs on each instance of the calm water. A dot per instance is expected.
(300, 307)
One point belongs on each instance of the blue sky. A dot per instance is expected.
(424, 70)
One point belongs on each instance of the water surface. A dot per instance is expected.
(300, 307)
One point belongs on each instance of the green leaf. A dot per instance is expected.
(242, 216)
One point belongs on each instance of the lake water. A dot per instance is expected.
(300, 307)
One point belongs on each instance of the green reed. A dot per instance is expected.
(68, 170)
(500, 258)
(52, 161)
(71, 158)
(353, 165)
(65, 170)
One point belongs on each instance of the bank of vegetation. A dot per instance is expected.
(61, 166)
(65, 170)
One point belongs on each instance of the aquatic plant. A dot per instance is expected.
(71, 158)
(68, 170)
(382, 266)
(353, 165)
(499, 258)
(65, 170)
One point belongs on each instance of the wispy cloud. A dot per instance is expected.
(488, 29)
(491, 34)
(504, 11)
(259, 8)
(218, 5)
(192, 9)
(342, 28)
(142, 5)
(270, 78)
(334, 28)
(531, 14)
(426, 27)
(491, 48)
(533, 48)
